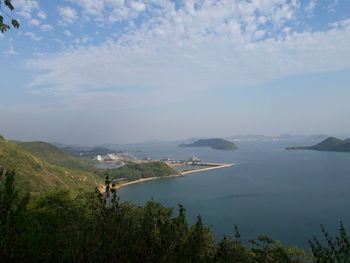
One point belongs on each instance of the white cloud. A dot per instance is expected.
(33, 36)
(138, 6)
(91, 7)
(310, 6)
(25, 8)
(199, 45)
(41, 14)
(68, 15)
(11, 50)
(46, 28)
(67, 33)
(34, 22)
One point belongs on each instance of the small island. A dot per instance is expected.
(215, 143)
(330, 144)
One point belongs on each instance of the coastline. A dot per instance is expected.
(146, 179)
(208, 168)
(215, 166)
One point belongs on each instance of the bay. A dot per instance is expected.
(270, 191)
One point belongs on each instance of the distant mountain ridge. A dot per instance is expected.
(285, 136)
(330, 144)
(214, 143)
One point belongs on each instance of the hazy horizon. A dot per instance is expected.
(90, 72)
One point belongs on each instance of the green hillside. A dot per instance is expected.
(35, 174)
(330, 144)
(53, 155)
(135, 171)
(215, 143)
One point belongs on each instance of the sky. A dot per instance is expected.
(123, 71)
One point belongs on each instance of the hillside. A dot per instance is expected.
(77, 152)
(53, 155)
(216, 143)
(135, 171)
(330, 144)
(35, 174)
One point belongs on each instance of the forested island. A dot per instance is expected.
(330, 144)
(215, 143)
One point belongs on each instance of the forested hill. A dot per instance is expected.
(40, 165)
(35, 174)
(53, 155)
(215, 143)
(330, 144)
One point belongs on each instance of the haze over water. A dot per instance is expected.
(284, 194)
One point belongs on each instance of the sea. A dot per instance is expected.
(270, 191)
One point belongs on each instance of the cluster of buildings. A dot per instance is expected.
(115, 157)
(192, 160)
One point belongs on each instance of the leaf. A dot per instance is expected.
(15, 23)
(3, 27)
(9, 4)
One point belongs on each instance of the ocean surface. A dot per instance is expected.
(270, 191)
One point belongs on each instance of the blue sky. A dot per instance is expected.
(98, 71)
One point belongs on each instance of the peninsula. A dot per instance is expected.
(215, 143)
(330, 144)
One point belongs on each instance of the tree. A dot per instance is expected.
(12, 216)
(4, 26)
(334, 250)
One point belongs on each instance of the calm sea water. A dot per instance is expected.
(283, 194)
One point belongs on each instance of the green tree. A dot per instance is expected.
(230, 249)
(334, 250)
(12, 216)
(4, 26)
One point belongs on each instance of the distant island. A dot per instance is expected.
(330, 144)
(215, 143)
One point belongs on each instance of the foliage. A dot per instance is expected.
(329, 144)
(88, 226)
(337, 249)
(215, 143)
(36, 175)
(135, 171)
(91, 152)
(12, 216)
(4, 26)
(53, 155)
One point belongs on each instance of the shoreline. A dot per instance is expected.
(208, 168)
(217, 166)
(146, 179)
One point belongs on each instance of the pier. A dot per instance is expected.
(209, 166)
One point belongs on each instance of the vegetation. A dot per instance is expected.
(4, 26)
(40, 165)
(216, 143)
(53, 155)
(65, 226)
(330, 144)
(86, 152)
(135, 171)
(35, 174)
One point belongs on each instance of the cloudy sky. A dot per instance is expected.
(121, 71)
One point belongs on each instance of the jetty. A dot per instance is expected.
(211, 166)
(208, 166)
(202, 166)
